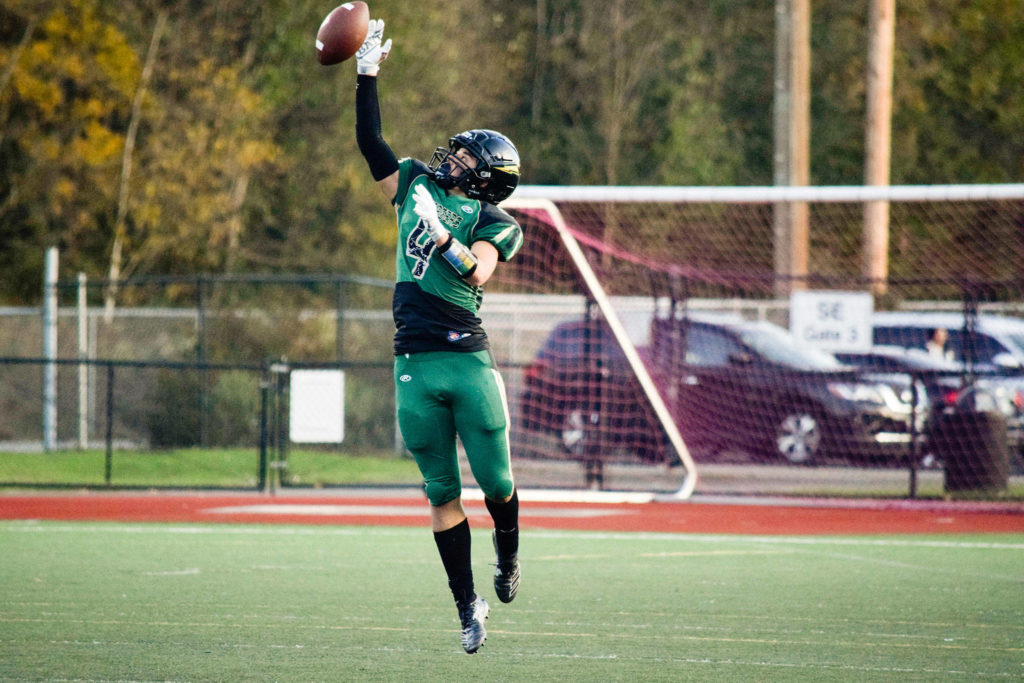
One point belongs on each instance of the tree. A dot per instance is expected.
(203, 135)
(960, 92)
(63, 108)
(244, 154)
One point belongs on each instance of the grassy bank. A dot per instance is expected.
(194, 467)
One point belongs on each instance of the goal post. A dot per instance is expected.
(597, 292)
(648, 332)
(767, 194)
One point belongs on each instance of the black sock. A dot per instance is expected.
(454, 546)
(506, 523)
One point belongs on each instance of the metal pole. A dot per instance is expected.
(264, 397)
(279, 373)
(50, 351)
(339, 324)
(204, 402)
(83, 368)
(913, 435)
(284, 405)
(108, 460)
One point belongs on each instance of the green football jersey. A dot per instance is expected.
(435, 309)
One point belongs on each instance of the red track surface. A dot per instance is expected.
(397, 510)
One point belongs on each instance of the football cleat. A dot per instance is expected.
(506, 574)
(472, 616)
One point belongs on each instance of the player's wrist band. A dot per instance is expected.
(458, 257)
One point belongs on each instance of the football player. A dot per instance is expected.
(451, 237)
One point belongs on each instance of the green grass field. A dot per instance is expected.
(149, 602)
(196, 467)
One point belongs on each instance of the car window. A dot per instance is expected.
(572, 341)
(709, 348)
(908, 361)
(907, 337)
(1018, 341)
(564, 341)
(985, 347)
(867, 360)
(778, 346)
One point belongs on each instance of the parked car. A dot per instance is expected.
(726, 382)
(753, 384)
(997, 344)
(580, 387)
(951, 388)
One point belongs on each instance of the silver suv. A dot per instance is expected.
(998, 340)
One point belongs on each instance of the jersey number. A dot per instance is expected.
(419, 247)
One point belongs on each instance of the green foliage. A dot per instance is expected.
(245, 158)
(62, 117)
(184, 408)
(368, 397)
(961, 81)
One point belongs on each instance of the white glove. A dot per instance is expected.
(425, 207)
(372, 53)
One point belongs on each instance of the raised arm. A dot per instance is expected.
(381, 160)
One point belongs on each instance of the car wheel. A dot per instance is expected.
(798, 437)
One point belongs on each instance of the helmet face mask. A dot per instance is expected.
(496, 173)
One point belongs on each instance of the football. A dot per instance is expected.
(342, 32)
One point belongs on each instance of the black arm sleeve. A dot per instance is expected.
(381, 159)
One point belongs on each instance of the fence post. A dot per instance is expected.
(913, 455)
(50, 351)
(339, 324)
(83, 368)
(264, 398)
(108, 460)
(280, 374)
(283, 403)
(204, 401)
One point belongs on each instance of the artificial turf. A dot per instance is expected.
(192, 602)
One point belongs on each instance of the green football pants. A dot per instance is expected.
(441, 394)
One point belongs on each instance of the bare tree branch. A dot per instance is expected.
(126, 163)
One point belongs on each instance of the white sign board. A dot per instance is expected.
(832, 321)
(317, 413)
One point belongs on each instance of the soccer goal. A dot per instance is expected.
(649, 334)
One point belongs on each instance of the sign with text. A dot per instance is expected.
(832, 321)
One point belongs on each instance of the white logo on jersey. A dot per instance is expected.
(448, 217)
(467, 209)
(405, 378)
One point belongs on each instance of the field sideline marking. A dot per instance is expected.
(802, 639)
(568, 496)
(342, 530)
(690, 553)
(335, 510)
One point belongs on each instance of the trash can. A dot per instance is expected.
(973, 448)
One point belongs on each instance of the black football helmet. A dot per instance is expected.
(497, 165)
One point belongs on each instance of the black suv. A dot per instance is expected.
(735, 383)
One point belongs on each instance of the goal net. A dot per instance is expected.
(743, 341)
